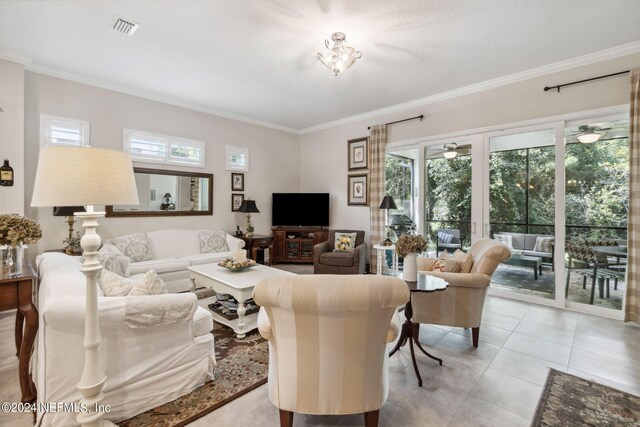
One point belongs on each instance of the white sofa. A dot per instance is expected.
(145, 365)
(172, 251)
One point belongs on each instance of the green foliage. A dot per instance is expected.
(398, 182)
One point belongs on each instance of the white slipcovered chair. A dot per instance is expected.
(327, 342)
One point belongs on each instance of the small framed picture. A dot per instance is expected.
(236, 201)
(358, 190)
(237, 159)
(358, 153)
(152, 195)
(237, 182)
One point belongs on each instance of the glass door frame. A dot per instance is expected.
(559, 215)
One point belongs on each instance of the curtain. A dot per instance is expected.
(632, 305)
(377, 144)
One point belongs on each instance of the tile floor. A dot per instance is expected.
(497, 384)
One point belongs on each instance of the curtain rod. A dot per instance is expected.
(421, 116)
(547, 88)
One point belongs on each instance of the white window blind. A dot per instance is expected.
(155, 148)
(61, 131)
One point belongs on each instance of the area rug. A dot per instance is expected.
(242, 366)
(568, 400)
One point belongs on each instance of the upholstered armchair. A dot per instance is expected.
(327, 342)
(461, 303)
(325, 261)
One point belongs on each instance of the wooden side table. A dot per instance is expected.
(255, 242)
(17, 292)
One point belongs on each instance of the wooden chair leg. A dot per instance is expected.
(371, 418)
(475, 334)
(286, 418)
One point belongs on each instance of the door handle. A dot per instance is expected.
(473, 228)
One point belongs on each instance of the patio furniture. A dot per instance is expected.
(586, 261)
(449, 240)
(527, 244)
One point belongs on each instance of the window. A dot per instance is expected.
(154, 148)
(61, 131)
(237, 159)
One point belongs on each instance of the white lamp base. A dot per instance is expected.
(93, 378)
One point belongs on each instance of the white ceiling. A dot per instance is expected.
(255, 59)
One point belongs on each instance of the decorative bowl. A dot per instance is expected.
(232, 264)
(291, 236)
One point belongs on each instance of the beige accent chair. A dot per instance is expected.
(327, 342)
(325, 261)
(461, 303)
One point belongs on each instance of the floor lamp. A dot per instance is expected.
(386, 204)
(84, 176)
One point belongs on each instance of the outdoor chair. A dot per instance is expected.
(588, 263)
(449, 240)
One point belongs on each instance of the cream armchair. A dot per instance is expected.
(461, 303)
(327, 342)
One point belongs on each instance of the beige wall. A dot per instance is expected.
(273, 154)
(323, 154)
(12, 134)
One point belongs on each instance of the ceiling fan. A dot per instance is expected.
(590, 133)
(452, 149)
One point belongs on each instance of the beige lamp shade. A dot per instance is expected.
(83, 176)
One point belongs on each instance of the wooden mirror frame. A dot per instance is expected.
(111, 213)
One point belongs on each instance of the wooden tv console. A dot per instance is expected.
(295, 244)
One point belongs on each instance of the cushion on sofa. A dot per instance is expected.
(135, 246)
(202, 322)
(173, 243)
(114, 285)
(198, 259)
(543, 244)
(504, 238)
(159, 265)
(341, 259)
(213, 241)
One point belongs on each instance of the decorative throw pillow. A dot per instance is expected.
(345, 242)
(504, 238)
(114, 285)
(444, 237)
(213, 241)
(543, 244)
(452, 266)
(439, 265)
(465, 259)
(110, 262)
(135, 246)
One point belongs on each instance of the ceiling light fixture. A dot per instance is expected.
(339, 57)
(450, 154)
(589, 137)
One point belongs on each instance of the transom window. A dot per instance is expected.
(154, 148)
(62, 131)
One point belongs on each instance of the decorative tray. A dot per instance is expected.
(232, 264)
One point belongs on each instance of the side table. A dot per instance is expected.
(255, 242)
(17, 292)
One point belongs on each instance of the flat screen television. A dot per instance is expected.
(300, 209)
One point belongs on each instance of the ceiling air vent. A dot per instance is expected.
(124, 26)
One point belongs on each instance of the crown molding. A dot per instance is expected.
(61, 74)
(15, 57)
(603, 55)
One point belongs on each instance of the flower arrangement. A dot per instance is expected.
(72, 245)
(235, 264)
(16, 229)
(407, 244)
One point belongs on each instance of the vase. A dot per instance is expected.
(410, 267)
(11, 257)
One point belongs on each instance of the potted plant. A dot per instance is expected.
(16, 231)
(409, 246)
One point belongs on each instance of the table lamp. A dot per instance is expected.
(249, 207)
(69, 212)
(100, 177)
(387, 203)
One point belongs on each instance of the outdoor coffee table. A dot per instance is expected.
(526, 261)
(238, 284)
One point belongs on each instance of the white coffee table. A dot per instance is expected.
(238, 284)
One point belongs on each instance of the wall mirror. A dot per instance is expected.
(169, 193)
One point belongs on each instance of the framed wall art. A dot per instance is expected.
(237, 159)
(236, 201)
(237, 182)
(358, 153)
(358, 190)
